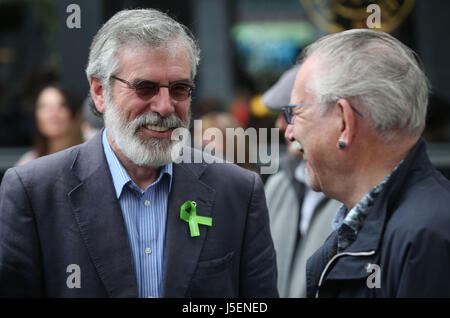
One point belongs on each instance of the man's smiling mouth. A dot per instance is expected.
(157, 128)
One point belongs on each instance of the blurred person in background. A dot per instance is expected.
(57, 122)
(239, 108)
(92, 122)
(300, 218)
(359, 108)
(222, 121)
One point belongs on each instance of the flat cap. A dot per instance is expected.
(280, 93)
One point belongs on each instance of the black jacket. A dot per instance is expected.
(403, 247)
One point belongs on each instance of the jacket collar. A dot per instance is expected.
(100, 220)
(182, 251)
(369, 237)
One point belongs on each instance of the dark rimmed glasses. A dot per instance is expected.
(179, 91)
(289, 115)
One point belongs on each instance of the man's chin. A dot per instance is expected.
(311, 181)
(151, 162)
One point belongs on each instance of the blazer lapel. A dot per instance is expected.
(99, 217)
(182, 251)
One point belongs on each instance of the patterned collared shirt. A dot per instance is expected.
(144, 213)
(348, 223)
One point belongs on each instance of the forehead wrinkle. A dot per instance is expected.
(311, 74)
(139, 80)
(300, 87)
(155, 65)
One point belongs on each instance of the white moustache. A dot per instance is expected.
(156, 122)
(295, 145)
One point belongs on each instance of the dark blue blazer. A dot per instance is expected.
(61, 209)
(403, 247)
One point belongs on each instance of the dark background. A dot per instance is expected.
(36, 46)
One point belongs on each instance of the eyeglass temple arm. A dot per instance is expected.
(290, 107)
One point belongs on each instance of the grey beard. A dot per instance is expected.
(154, 152)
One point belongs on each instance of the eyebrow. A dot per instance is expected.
(299, 106)
(138, 81)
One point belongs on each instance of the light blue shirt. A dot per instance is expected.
(144, 213)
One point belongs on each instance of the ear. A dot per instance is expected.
(97, 94)
(348, 121)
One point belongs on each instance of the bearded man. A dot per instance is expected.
(116, 217)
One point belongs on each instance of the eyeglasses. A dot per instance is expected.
(179, 91)
(289, 115)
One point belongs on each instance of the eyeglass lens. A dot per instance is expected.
(178, 91)
(288, 115)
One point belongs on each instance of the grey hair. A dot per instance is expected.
(382, 77)
(142, 27)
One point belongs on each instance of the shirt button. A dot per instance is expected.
(147, 202)
(148, 250)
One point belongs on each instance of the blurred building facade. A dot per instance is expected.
(246, 45)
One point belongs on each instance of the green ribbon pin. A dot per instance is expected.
(192, 218)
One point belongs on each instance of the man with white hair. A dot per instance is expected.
(116, 216)
(359, 108)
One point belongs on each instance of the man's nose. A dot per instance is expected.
(280, 123)
(289, 133)
(162, 103)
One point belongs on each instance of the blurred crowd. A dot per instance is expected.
(60, 121)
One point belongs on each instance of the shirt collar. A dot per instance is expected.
(349, 222)
(361, 208)
(119, 174)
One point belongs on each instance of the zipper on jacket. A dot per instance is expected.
(335, 257)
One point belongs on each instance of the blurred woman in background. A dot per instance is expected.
(57, 123)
